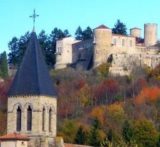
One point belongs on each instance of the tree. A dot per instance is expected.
(127, 132)
(87, 33)
(66, 33)
(81, 136)
(145, 133)
(14, 48)
(17, 46)
(158, 142)
(94, 135)
(99, 114)
(119, 28)
(47, 50)
(3, 65)
(103, 70)
(84, 35)
(17, 49)
(23, 43)
(68, 130)
(79, 33)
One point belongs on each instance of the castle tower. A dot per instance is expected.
(150, 34)
(32, 100)
(102, 42)
(135, 32)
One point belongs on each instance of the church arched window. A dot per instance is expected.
(50, 120)
(29, 118)
(19, 116)
(43, 119)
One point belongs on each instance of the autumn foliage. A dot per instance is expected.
(148, 94)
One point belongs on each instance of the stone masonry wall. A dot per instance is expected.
(37, 103)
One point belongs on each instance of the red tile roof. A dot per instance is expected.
(14, 136)
(102, 27)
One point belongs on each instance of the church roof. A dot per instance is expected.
(32, 77)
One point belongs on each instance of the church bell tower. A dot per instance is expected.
(32, 99)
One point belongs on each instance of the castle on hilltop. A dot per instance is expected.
(123, 51)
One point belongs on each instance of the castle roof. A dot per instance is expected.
(32, 77)
(135, 28)
(102, 27)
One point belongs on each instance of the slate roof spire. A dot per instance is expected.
(32, 77)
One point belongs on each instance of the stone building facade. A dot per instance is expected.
(125, 49)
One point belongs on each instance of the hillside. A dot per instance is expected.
(97, 109)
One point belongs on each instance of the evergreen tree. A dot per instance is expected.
(127, 132)
(110, 135)
(3, 65)
(17, 49)
(79, 33)
(46, 48)
(14, 49)
(94, 137)
(66, 33)
(22, 43)
(158, 142)
(87, 33)
(80, 136)
(119, 28)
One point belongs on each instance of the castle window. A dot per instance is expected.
(59, 50)
(123, 42)
(43, 119)
(29, 119)
(19, 116)
(50, 120)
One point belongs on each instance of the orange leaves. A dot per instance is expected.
(98, 113)
(148, 94)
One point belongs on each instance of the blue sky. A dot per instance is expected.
(69, 14)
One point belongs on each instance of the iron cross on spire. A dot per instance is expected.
(34, 16)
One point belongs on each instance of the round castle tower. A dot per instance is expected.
(135, 32)
(102, 42)
(150, 34)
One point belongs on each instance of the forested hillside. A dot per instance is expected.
(97, 109)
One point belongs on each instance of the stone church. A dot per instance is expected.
(32, 99)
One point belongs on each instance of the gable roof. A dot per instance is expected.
(32, 77)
